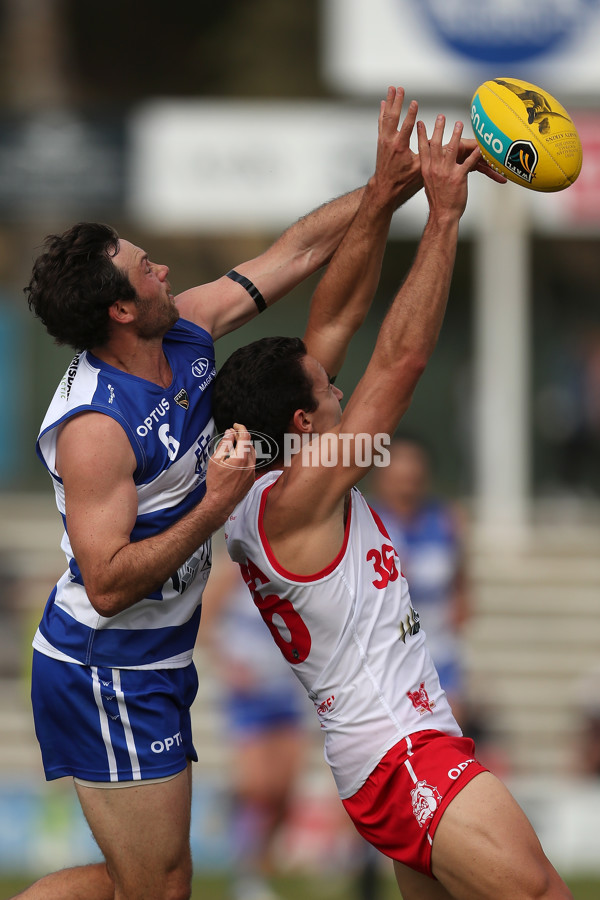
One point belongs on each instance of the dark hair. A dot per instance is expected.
(261, 386)
(74, 282)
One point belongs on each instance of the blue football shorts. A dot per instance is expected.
(110, 725)
(256, 712)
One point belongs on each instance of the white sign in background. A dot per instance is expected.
(220, 167)
(442, 48)
(227, 166)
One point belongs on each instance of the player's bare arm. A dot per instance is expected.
(223, 305)
(410, 330)
(346, 290)
(308, 525)
(96, 463)
(344, 295)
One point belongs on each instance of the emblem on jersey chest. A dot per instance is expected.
(182, 399)
(420, 700)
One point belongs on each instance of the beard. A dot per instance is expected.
(155, 320)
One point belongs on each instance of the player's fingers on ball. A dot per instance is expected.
(487, 170)
(473, 160)
(467, 145)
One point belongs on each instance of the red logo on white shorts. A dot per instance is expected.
(420, 700)
(425, 801)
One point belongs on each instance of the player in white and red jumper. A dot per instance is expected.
(326, 578)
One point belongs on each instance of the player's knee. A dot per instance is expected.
(560, 892)
(180, 892)
(179, 884)
(549, 886)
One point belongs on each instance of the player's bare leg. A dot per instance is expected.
(415, 886)
(485, 848)
(79, 883)
(266, 766)
(143, 833)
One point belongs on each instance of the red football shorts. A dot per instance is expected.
(400, 805)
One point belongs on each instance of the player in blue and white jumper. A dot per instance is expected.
(125, 442)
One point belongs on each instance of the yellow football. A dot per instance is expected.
(525, 134)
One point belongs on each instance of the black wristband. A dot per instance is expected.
(251, 288)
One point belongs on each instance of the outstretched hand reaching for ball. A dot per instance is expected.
(444, 173)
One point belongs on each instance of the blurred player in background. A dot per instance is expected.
(264, 711)
(428, 535)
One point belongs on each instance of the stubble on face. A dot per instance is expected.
(155, 318)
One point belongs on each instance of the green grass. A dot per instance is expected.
(323, 887)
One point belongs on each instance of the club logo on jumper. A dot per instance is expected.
(420, 700)
(182, 399)
(425, 801)
(111, 393)
(69, 377)
(522, 159)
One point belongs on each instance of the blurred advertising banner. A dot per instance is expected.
(220, 167)
(448, 47)
(58, 163)
(582, 200)
(226, 165)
